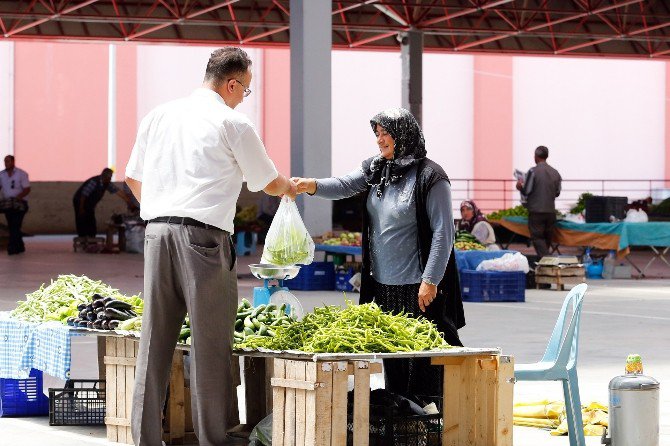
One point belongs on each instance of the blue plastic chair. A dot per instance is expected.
(559, 363)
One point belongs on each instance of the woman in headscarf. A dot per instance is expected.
(408, 236)
(474, 222)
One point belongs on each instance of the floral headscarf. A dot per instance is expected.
(410, 148)
(477, 216)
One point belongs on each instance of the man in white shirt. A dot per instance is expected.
(15, 186)
(186, 169)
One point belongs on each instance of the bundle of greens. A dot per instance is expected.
(59, 300)
(353, 329)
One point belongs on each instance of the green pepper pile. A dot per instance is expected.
(353, 329)
(60, 300)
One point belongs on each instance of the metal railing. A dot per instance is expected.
(495, 194)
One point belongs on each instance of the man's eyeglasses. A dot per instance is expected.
(247, 90)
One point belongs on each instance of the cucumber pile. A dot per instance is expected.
(262, 320)
(464, 241)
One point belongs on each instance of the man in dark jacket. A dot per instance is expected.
(87, 197)
(541, 187)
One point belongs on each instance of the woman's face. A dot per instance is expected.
(385, 142)
(466, 213)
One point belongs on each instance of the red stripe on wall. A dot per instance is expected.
(493, 128)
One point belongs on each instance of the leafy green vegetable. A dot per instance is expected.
(581, 203)
(289, 248)
(354, 329)
(517, 211)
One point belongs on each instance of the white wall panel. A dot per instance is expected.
(6, 99)
(167, 72)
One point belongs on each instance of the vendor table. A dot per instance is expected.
(310, 396)
(618, 236)
(340, 250)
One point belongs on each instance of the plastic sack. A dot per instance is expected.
(509, 262)
(135, 238)
(574, 218)
(261, 435)
(635, 216)
(288, 242)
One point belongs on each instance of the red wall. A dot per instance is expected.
(277, 107)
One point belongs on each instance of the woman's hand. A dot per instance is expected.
(427, 293)
(305, 185)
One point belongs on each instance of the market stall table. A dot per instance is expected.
(310, 395)
(618, 236)
(340, 250)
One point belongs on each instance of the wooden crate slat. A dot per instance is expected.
(339, 415)
(111, 390)
(121, 383)
(324, 395)
(310, 405)
(481, 404)
(176, 402)
(491, 390)
(451, 404)
(278, 401)
(361, 404)
(130, 383)
(300, 400)
(468, 410)
(504, 401)
(289, 417)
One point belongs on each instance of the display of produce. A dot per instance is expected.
(517, 211)
(581, 203)
(261, 321)
(344, 239)
(102, 313)
(464, 241)
(62, 298)
(353, 329)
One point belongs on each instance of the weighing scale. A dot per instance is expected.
(275, 293)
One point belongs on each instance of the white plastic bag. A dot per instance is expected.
(635, 216)
(288, 242)
(509, 262)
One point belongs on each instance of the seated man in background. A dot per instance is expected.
(88, 196)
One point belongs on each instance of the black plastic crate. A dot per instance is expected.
(80, 403)
(389, 428)
(599, 209)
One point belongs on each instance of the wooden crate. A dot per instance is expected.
(310, 401)
(559, 276)
(120, 357)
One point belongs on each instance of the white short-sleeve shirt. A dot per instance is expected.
(192, 155)
(11, 186)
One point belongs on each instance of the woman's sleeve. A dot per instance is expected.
(442, 224)
(336, 188)
(481, 233)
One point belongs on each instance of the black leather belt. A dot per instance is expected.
(184, 221)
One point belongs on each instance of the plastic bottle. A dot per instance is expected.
(608, 265)
(586, 259)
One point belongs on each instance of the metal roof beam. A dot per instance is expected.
(548, 24)
(462, 13)
(609, 39)
(46, 19)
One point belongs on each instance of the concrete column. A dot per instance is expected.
(411, 50)
(311, 42)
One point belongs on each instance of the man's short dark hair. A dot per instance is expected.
(225, 63)
(106, 171)
(542, 152)
(11, 157)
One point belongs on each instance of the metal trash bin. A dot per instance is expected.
(633, 411)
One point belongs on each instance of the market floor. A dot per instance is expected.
(619, 317)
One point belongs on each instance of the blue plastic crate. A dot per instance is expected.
(493, 286)
(317, 276)
(23, 397)
(342, 280)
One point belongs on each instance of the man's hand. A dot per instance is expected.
(303, 185)
(519, 184)
(292, 190)
(427, 294)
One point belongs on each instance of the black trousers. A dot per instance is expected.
(14, 222)
(86, 225)
(541, 226)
